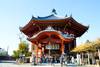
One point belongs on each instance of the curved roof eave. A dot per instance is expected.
(34, 20)
(56, 32)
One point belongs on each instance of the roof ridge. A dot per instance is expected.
(45, 16)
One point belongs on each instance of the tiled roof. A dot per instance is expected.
(50, 17)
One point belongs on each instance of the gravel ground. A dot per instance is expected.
(13, 64)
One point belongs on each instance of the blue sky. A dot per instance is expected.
(15, 13)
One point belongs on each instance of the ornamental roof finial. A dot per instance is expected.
(54, 11)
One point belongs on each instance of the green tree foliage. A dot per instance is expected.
(3, 53)
(23, 49)
(16, 54)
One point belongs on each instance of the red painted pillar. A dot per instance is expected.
(37, 55)
(62, 47)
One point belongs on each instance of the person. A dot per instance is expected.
(34, 60)
(53, 60)
(43, 59)
(61, 59)
(72, 59)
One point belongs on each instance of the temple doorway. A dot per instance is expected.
(53, 52)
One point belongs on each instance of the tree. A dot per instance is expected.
(16, 54)
(23, 49)
(97, 46)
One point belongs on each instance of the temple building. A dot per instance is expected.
(52, 35)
